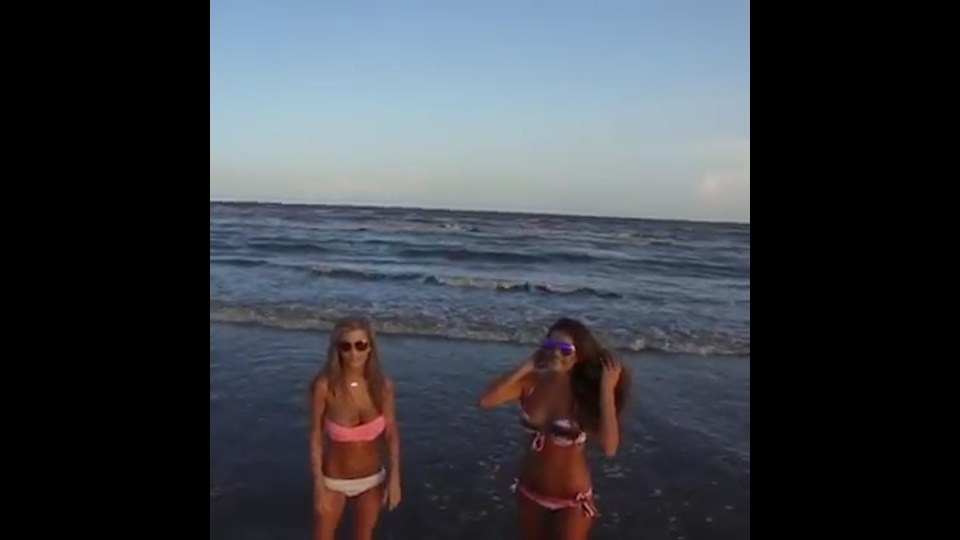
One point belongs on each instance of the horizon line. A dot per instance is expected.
(557, 213)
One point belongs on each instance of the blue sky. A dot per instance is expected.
(635, 108)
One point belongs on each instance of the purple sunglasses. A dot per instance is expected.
(565, 348)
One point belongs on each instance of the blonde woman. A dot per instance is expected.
(352, 411)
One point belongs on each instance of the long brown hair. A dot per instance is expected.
(333, 368)
(585, 374)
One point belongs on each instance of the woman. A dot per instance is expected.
(569, 390)
(353, 402)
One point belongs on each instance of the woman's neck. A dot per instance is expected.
(353, 375)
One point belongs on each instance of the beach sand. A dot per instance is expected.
(682, 472)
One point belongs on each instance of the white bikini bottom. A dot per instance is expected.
(355, 486)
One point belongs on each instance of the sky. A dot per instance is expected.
(623, 108)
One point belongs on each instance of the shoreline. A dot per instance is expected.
(480, 341)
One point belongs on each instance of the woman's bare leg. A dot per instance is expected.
(325, 526)
(367, 511)
(571, 524)
(532, 522)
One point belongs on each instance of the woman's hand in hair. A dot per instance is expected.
(609, 425)
(611, 371)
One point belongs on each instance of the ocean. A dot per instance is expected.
(457, 297)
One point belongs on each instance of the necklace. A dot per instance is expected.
(354, 384)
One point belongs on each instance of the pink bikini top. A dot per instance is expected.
(361, 433)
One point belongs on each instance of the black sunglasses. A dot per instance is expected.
(360, 346)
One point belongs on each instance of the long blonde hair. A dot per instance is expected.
(333, 368)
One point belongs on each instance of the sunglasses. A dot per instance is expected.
(360, 346)
(565, 348)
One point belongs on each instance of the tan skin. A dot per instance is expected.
(556, 471)
(348, 460)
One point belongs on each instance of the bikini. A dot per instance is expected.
(362, 433)
(561, 432)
